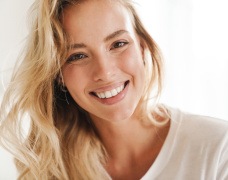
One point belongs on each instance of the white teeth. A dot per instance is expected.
(108, 94)
(114, 92)
(102, 95)
(111, 93)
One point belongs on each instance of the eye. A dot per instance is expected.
(119, 44)
(76, 57)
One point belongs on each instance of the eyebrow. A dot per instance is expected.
(109, 37)
(75, 46)
(115, 34)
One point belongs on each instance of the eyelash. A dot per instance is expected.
(80, 56)
(76, 57)
(119, 44)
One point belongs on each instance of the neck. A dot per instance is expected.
(131, 146)
(127, 138)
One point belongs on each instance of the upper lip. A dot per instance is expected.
(108, 87)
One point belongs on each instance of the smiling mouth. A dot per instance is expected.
(110, 93)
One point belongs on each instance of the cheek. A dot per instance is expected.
(73, 77)
(75, 81)
(132, 60)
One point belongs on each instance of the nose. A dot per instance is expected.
(104, 68)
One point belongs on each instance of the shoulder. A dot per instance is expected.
(196, 146)
(202, 138)
(201, 125)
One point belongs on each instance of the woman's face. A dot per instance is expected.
(104, 72)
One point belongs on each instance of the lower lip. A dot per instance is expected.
(114, 99)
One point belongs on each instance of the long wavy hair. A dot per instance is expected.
(61, 142)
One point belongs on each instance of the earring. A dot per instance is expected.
(64, 89)
(62, 86)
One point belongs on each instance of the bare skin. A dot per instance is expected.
(132, 147)
(105, 55)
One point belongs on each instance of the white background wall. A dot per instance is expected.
(192, 35)
(194, 40)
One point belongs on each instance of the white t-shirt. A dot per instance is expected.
(196, 148)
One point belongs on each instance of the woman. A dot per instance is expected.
(85, 82)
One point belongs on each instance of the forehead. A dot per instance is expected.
(93, 17)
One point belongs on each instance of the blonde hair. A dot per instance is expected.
(62, 142)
